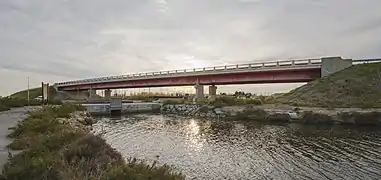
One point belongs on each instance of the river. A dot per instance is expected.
(218, 149)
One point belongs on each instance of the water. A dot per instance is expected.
(213, 149)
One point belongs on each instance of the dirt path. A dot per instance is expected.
(9, 119)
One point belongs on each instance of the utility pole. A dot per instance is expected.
(28, 93)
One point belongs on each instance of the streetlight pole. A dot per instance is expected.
(28, 93)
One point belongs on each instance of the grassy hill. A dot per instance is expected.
(356, 86)
(20, 99)
(33, 93)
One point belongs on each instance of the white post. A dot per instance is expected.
(28, 93)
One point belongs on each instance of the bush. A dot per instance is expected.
(224, 101)
(219, 104)
(253, 101)
(252, 114)
(310, 117)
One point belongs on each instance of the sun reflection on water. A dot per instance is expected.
(195, 141)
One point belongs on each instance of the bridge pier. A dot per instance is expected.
(212, 91)
(331, 65)
(199, 93)
(107, 94)
(92, 93)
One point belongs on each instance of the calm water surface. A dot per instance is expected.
(216, 149)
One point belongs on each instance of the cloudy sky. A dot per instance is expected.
(58, 40)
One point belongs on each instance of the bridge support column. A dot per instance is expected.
(331, 65)
(107, 94)
(199, 93)
(92, 93)
(212, 91)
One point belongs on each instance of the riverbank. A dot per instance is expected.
(281, 113)
(9, 119)
(56, 143)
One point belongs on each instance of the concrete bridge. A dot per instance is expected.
(290, 71)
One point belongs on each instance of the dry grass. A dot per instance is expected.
(357, 86)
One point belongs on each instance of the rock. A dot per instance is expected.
(210, 114)
(293, 115)
(279, 117)
(218, 111)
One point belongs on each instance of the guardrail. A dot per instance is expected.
(262, 65)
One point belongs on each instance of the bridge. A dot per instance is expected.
(290, 71)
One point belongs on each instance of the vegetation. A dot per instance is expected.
(33, 93)
(53, 149)
(356, 86)
(232, 101)
(174, 102)
(370, 118)
(20, 99)
(252, 114)
(310, 117)
(139, 97)
(7, 103)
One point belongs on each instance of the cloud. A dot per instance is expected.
(66, 40)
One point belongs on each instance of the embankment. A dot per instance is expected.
(281, 113)
(56, 144)
(357, 86)
(9, 119)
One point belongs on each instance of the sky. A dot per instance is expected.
(60, 40)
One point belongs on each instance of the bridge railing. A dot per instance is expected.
(262, 65)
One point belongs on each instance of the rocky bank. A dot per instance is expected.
(280, 113)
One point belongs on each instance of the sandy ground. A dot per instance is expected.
(9, 119)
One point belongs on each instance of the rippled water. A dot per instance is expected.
(213, 149)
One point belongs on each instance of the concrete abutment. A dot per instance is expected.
(331, 65)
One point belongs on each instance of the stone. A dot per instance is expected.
(279, 117)
(218, 111)
(293, 115)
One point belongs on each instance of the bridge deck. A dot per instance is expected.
(291, 65)
(228, 69)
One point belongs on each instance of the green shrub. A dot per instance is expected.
(253, 101)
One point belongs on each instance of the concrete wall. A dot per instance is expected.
(72, 95)
(104, 109)
(331, 65)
